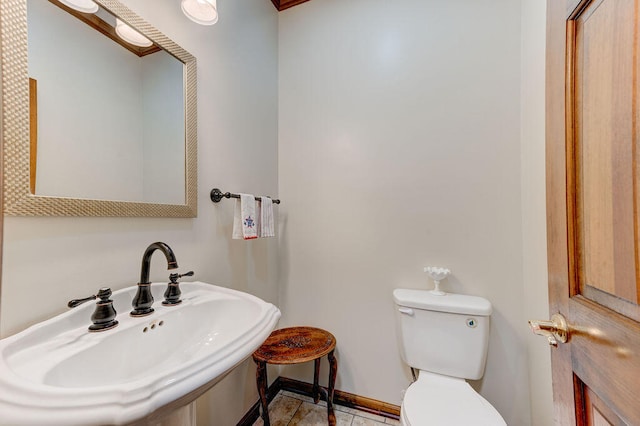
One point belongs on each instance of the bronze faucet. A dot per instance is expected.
(144, 299)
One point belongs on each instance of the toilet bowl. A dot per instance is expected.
(445, 337)
(436, 400)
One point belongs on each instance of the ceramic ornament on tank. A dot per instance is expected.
(437, 274)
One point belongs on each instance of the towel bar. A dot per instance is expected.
(217, 195)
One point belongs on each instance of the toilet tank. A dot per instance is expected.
(443, 334)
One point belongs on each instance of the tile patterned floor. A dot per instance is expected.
(291, 409)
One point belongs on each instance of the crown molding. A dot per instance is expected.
(286, 4)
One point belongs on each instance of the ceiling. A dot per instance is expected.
(286, 4)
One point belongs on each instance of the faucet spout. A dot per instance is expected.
(143, 300)
(172, 263)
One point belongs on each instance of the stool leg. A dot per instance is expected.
(261, 379)
(333, 372)
(316, 376)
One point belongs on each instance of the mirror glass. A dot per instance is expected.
(111, 125)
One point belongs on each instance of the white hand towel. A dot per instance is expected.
(259, 218)
(244, 218)
(267, 227)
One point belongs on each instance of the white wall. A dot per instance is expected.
(399, 147)
(534, 233)
(48, 261)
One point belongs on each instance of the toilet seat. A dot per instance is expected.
(435, 400)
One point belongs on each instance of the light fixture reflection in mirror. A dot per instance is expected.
(84, 6)
(203, 12)
(130, 35)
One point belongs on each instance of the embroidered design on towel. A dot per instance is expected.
(249, 223)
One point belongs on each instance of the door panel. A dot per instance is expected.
(605, 352)
(597, 413)
(603, 111)
(592, 208)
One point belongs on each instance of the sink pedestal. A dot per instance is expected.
(185, 416)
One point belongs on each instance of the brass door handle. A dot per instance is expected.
(555, 330)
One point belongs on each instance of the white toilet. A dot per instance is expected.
(445, 337)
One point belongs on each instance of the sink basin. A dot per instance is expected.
(57, 372)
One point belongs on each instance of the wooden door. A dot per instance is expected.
(593, 194)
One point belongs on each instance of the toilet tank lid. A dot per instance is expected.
(450, 302)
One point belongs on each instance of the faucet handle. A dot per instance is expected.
(104, 294)
(174, 277)
(104, 317)
(76, 302)
(172, 294)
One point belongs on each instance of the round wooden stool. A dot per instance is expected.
(294, 345)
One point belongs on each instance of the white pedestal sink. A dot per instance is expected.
(58, 373)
